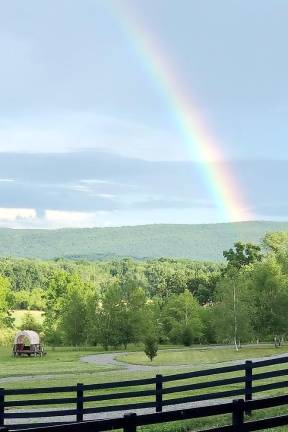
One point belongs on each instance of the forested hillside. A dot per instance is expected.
(200, 242)
(114, 303)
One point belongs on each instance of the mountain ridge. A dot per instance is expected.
(195, 241)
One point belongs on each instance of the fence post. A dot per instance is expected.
(159, 388)
(248, 383)
(238, 415)
(2, 406)
(130, 424)
(80, 394)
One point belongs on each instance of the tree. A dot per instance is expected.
(37, 299)
(232, 310)
(29, 322)
(73, 322)
(56, 291)
(187, 336)
(6, 302)
(65, 315)
(151, 347)
(276, 242)
(92, 322)
(121, 314)
(180, 312)
(243, 254)
(269, 297)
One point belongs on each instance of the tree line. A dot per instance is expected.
(116, 303)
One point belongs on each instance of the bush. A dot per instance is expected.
(187, 336)
(6, 337)
(29, 322)
(151, 347)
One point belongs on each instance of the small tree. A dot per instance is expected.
(151, 347)
(187, 336)
(29, 322)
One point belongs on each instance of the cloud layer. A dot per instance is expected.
(102, 189)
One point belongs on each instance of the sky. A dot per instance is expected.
(89, 134)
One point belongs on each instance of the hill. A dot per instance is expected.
(201, 242)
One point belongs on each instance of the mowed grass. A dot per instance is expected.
(196, 357)
(54, 363)
(65, 369)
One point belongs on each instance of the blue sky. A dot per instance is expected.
(79, 99)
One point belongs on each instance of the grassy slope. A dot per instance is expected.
(187, 241)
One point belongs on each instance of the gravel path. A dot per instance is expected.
(110, 359)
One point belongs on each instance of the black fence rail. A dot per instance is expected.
(154, 393)
(130, 422)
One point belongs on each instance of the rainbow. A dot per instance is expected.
(200, 143)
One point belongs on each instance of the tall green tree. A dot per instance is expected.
(232, 310)
(180, 315)
(54, 299)
(276, 242)
(122, 314)
(74, 320)
(242, 254)
(6, 302)
(269, 296)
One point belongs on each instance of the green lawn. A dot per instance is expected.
(65, 368)
(54, 363)
(202, 356)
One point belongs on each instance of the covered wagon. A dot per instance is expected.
(27, 342)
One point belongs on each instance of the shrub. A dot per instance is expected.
(29, 322)
(6, 337)
(187, 336)
(151, 347)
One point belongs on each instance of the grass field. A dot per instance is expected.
(63, 367)
(201, 356)
(57, 364)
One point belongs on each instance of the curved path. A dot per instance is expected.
(109, 359)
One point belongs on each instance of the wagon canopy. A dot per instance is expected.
(31, 335)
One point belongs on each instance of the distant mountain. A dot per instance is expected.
(200, 242)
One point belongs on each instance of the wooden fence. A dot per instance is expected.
(130, 422)
(159, 391)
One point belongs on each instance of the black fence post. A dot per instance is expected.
(238, 415)
(248, 383)
(130, 424)
(80, 394)
(2, 406)
(159, 388)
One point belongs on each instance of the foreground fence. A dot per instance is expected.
(84, 401)
(130, 422)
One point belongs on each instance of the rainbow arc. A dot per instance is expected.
(200, 143)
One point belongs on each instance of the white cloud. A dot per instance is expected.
(55, 219)
(14, 214)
